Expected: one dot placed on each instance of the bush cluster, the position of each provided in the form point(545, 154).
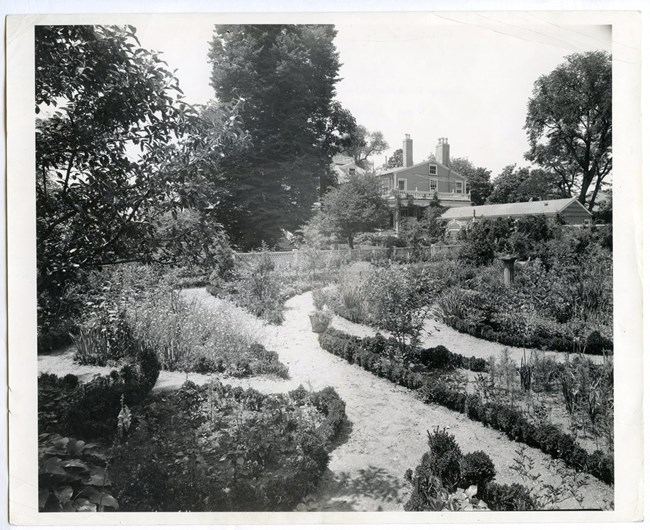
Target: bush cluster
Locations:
point(502, 417)
point(221, 448)
point(376, 352)
point(545, 436)
point(256, 360)
point(532, 339)
point(440, 357)
point(561, 298)
point(444, 466)
point(89, 410)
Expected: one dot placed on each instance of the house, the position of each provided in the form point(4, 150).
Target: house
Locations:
point(411, 188)
point(344, 167)
point(570, 210)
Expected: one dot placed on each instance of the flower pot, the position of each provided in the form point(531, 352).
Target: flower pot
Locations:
point(319, 323)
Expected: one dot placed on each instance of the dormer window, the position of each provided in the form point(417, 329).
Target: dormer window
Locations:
point(433, 169)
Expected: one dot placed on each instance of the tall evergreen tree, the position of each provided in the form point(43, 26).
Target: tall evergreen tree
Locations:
point(285, 75)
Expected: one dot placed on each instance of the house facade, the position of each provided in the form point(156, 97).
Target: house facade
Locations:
point(411, 188)
point(344, 167)
point(569, 210)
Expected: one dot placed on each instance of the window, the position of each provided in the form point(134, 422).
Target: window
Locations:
point(401, 184)
point(352, 171)
point(433, 185)
point(433, 169)
point(459, 187)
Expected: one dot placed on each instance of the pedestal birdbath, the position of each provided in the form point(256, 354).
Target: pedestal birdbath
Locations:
point(508, 261)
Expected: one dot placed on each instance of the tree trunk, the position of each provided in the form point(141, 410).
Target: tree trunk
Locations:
point(351, 241)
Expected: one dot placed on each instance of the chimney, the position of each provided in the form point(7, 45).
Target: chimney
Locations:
point(407, 151)
point(442, 152)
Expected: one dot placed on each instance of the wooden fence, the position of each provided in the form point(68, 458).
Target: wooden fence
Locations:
point(300, 259)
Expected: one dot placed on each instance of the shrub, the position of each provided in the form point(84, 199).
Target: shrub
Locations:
point(396, 301)
point(596, 344)
point(511, 497)
point(438, 392)
point(475, 409)
point(443, 459)
point(438, 357)
point(476, 469)
point(444, 466)
point(319, 297)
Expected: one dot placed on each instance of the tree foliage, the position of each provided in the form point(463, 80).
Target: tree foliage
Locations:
point(478, 179)
point(395, 160)
point(285, 74)
point(106, 116)
point(365, 144)
point(523, 184)
point(118, 157)
point(356, 206)
point(569, 124)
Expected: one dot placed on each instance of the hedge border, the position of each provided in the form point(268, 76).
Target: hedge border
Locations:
point(558, 343)
point(546, 437)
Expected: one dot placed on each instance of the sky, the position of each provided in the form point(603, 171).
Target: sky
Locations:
point(464, 77)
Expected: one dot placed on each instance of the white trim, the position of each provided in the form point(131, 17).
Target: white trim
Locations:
point(405, 183)
point(462, 185)
point(435, 168)
point(437, 185)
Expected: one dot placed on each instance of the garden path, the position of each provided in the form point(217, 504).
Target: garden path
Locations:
point(437, 333)
point(387, 424)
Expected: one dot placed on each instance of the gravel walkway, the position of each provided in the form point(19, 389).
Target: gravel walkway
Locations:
point(388, 424)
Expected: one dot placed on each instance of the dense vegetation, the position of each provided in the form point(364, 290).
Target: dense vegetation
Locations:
point(140, 194)
point(209, 448)
point(427, 370)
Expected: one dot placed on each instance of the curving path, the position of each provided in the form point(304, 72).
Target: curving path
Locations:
point(436, 333)
point(388, 424)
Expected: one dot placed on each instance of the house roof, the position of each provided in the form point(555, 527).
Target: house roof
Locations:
point(340, 159)
point(511, 209)
point(424, 167)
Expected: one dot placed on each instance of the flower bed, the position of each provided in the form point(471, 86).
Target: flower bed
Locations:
point(129, 308)
point(370, 355)
point(89, 410)
point(222, 448)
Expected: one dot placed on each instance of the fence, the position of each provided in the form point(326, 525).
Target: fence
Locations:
point(301, 259)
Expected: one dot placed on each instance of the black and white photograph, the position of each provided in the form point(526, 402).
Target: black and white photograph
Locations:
point(359, 263)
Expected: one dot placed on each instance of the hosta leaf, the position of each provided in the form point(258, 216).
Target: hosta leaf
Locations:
point(471, 491)
point(43, 494)
point(97, 479)
point(74, 463)
point(68, 507)
point(84, 505)
point(53, 466)
point(92, 494)
point(75, 447)
point(109, 500)
point(64, 493)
